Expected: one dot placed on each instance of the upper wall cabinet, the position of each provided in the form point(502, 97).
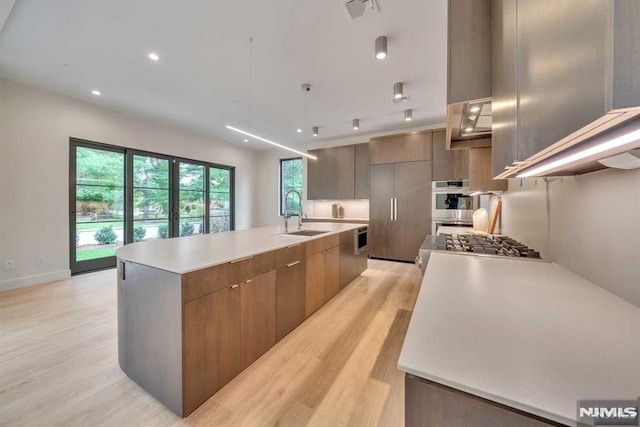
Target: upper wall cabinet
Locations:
point(448, 164)
point(562, 72)
point(339, 173)
point(469, 74)
point(469, 50)
point(410, 147)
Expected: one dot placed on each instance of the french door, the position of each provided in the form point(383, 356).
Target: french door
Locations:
point(120, 196)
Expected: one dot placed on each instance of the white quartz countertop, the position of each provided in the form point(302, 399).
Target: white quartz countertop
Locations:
point(185, 254)
point(530, 335)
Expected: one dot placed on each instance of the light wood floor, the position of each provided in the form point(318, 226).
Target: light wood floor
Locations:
point(59, 361)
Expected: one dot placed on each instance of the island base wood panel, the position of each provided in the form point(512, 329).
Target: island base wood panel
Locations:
point(428, 404)
point(290, 297)
point(258, 316)
point(212, 343)
point(183, 337)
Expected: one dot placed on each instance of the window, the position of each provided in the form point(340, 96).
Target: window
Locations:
point(290, 179)
point(120, 195)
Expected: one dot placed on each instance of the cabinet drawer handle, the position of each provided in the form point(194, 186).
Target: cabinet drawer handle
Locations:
point(241, 259)
point(234, 286)
point(293, 246)
point(292, 264)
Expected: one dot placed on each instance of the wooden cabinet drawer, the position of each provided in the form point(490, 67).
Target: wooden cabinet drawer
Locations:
point(203, 282)
point(249, 267)
point(290, 254)
point(317, 245)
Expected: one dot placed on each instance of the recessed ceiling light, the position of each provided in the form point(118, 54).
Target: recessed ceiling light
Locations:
point(96, 92)
point(246, 140)
point(299, 130)
point(154, 56)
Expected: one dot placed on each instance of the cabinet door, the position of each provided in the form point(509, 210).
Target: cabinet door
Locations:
point(211, 335)
point(504, 85)
point(362, 178)
point(258, 316)
point(412, 186)
point(315, 283)
point(314, 175)
point(448, 164)
point(331, 272)
point(401, 148)
point(290, 297)
point(346, 172)
point(329, 166)
point(559, 96)
point(381, 225)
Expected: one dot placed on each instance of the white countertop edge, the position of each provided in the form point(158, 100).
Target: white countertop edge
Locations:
point(277, 240)
point(492, 397)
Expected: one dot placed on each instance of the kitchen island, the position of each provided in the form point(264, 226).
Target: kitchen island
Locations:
point(496, 341)
point(193, 312)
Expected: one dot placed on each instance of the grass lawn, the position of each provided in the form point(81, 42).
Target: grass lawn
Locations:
point(80, 226)
point(83, 255)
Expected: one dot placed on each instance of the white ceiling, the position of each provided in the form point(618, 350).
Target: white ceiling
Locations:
point(202, 79)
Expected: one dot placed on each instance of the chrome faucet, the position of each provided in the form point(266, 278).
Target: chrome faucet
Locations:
point(286, 210)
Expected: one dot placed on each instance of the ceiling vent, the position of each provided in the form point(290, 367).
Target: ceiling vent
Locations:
point(359, 8)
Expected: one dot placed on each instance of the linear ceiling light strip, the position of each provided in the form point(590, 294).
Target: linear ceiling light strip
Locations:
point(284, 147)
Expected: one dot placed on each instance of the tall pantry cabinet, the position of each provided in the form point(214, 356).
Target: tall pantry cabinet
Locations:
point(400, 203)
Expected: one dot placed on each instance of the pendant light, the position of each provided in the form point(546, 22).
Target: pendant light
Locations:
point(397, 90)
point(356, 124)
point(408, 115)
point(381, 47)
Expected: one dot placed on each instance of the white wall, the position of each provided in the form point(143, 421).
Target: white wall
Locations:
point(35, 126)
point(592, 229)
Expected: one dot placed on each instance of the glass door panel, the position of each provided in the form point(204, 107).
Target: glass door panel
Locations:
point(98, 194)
point(150, 198)
point(191, 199)
point(219, 200)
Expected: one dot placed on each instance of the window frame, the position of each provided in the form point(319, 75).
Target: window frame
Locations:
point(280, 182)
point(87, 266)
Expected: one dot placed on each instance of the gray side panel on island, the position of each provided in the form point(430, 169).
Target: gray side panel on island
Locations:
point(150, 331)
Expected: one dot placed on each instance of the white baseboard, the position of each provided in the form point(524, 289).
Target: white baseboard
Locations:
point(22, 282)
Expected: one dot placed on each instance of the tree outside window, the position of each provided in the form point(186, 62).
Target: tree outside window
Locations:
point(290, 179)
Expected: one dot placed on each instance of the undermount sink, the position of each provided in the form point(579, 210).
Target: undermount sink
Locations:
point(306, 233)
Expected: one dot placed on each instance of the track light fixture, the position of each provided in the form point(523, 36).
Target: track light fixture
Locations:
point(397, 90)
point(381, 47)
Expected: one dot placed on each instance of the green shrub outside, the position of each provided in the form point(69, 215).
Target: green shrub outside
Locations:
point(186, 229)
point(138, 233)
point(163, 231)
point(106, 236)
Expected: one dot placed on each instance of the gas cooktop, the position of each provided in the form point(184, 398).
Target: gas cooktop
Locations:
point(487, 245)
